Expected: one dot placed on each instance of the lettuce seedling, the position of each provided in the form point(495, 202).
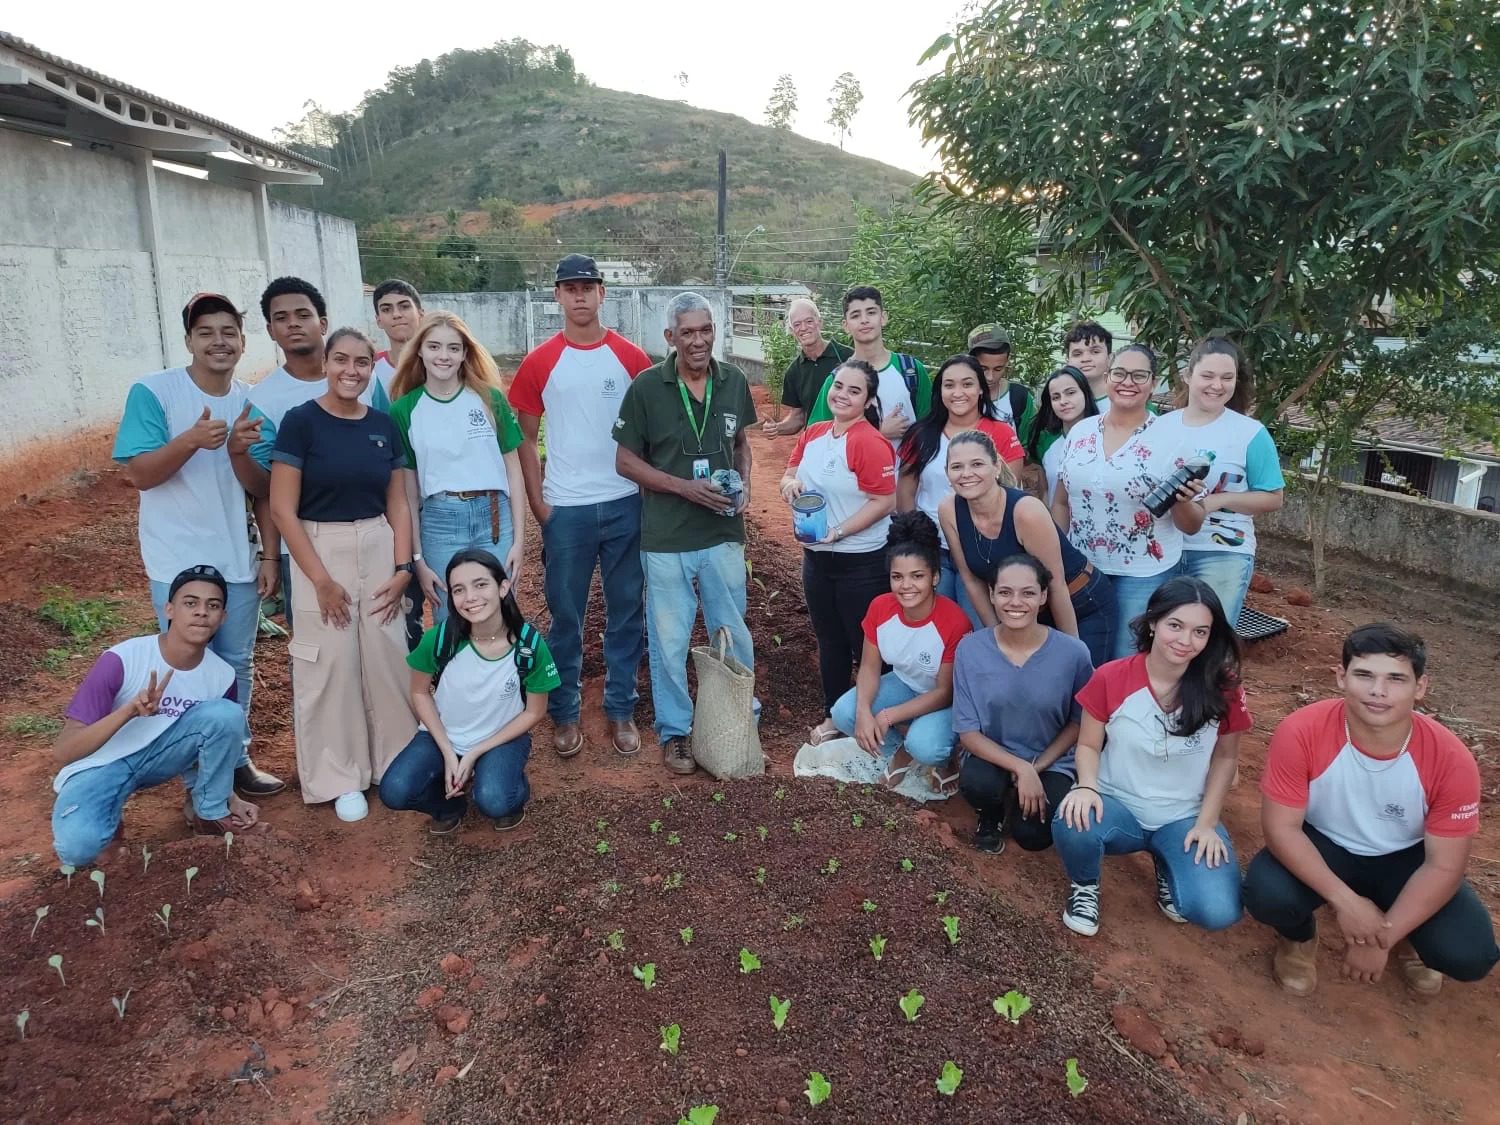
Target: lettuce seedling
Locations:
point(97, 877)
point(843, 785)
point(119, 1002)
point(794, 922)
point(818, 1088)
point(672, 882)
point(867, 789)
point(55, 962)
point(779, 793)
point(601, 824)
point(666, 802)
point(908, 866)
point(671, 1039)
point(616, 940)
point(1077, 1083)
point(731, 837)
point(188, 875)
point(612, 886)
point(686, 934)
point(950, 927)
point(911, 1004)
point(700, 1115)
point(759, 878)
point(797, 827)
point(67, 870)
point(762, 831)
point(868, 907)
point(164, 916)
point(1013, 1005)
point(23, 1017)
point(602, 848)
point(940, 897)
point(856, 820)
point(948, 1081)
point(889, 824)
point(646, 974)
point(228, 843)
point(41, 912)
point(779, 1009)
point(97, 921)
point(145, 859)
point(749, 962)
point(655, 827)
point(831, 866)
point(719, 797)
point(877, 946)
point(673, 839)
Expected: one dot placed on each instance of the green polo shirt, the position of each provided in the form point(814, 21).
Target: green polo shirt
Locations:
point(804, 377)
point(654, 426)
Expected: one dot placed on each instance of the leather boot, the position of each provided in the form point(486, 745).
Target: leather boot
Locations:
point(1295, 965)
point(1419, 978)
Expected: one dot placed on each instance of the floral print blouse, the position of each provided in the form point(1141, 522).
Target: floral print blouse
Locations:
point(1106, 500)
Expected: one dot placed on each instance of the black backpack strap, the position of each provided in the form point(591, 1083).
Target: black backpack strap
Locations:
point(908, 368)
point(441, 651)
point(526, 654)
point(1017, 403)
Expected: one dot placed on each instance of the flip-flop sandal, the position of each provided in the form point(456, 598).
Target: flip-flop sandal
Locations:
point(947, 786)
point(891, 778)
point(816, 737)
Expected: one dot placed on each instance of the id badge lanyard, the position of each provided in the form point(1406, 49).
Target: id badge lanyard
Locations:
point(687, 405)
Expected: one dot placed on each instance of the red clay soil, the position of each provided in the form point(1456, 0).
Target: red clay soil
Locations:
point(310, 905)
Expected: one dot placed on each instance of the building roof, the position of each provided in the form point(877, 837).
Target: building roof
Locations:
point(1417, 435)
point(44, 93)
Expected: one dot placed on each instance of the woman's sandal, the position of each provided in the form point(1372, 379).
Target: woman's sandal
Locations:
point(947, 786)
point(891, 778)
point(818, 735)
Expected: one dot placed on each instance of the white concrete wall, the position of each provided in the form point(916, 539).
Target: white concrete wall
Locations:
point(79, 315)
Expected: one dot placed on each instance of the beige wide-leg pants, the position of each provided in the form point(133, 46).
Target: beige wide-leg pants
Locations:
point(353, 711)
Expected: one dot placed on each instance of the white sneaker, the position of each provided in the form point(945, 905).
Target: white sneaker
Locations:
point(351, 807)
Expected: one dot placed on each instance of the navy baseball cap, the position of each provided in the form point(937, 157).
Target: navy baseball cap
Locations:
point(578, 267)
point(200, 573)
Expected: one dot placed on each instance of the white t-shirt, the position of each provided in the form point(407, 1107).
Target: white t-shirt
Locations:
point(915, 650)
point(893, 395)
point(846, 471)
point(452, 444)
point(1108, 520)
point(198, 514)
point(1051, 466)
point(124, 671)
point(1245, 460)
point(477, 696)
point(579, 390)
point(384, 374)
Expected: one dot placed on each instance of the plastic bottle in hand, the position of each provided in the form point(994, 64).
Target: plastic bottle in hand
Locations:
point(1160, 499)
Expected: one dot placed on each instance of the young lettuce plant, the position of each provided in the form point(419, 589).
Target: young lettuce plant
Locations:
point(1013, 1005)
point(908, 866)
point(188, 874)
point(731, 837)
point(856, 820)
point(749, 962)
point(948, 1081)
point(673, 839)
point(164, 916)
point(602, 847)
point(1077, 1083)
point(797, 827)
point(759, 878)
point(55, 963)
point(672, 882)
point(877, 946)
point(779, 793)
point(950, 927)
point(868, 907)
point(646, 974)
point(616, 940)
point(686, 934)
point(67, 870)
point(671, 1039)
point(119, 1002)
point(145, 859)
point(831, 867)
point(23, 1017)
point(97, 921)
point(779, 1010)
point(762, 831)
point(97, 878)
point(911, 1004)
point(700, 1115)
point(41, 912)
point(228, 844)
point(655, 827)
point(818, 1088)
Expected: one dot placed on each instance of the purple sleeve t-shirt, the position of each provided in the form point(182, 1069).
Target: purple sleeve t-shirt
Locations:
point(1022, 709)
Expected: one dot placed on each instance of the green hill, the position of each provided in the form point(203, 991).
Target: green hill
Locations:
point(499, 153)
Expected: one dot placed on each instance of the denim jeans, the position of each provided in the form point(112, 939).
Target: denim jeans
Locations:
point(449, 525)
point(1228, 572)
point(235, 640)
point(1206, 896)
point(950, 585)
point(415, 779)
point(574, 540)
point(676, 583)
point(1131, 593)
point(1094, 610)
point(928, 738)
point(202, 748)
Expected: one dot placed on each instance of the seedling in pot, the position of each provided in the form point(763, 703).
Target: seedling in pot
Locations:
point(616, 940)
point(671, 1039)
point(97, 921)
point(55, 962)
point(700, 1115)
point(97, 878)
point(145, 859)
point(948, 1081)
point(818, 1088)
point(67, 870)
point(779, 1009)
point(868, 907)
point(1013, 1005)
point(686, 934)
point(119, 1002)
point(759, 879)
point(1077, 1083)
point(164, 916)
point(877, 946)
point(188, 875)
point(749, 962)
point(646, 974)
point(950, 927)
point(602, 848)
point(911, 1004)
point(23, 1017)
point(831, 866)
point(41, 912)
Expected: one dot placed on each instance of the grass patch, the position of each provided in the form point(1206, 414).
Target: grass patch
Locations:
point(33, 726)
point(82, 619)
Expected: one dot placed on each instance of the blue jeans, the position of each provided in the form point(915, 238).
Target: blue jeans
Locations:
point(676, 582)
point(1205, 896)
point(928, 739)
point(951, 586)
point(449, 525)
point(1228, 572)
point(202, 748)
point(415, 779)
point(235, 640)
point(1131, 593)
point(1094, 609)
point(573, 541)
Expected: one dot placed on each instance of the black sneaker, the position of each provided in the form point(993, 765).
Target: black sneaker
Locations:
point(1164, 895)
point(252, 782)
point(989, 836)
point(1081, 915)
point(506, 823)
point(677, 754)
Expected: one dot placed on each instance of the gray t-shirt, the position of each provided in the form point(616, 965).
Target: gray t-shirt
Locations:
point(1020, 708)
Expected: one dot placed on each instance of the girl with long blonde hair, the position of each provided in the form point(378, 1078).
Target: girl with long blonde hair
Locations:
point(460, 436)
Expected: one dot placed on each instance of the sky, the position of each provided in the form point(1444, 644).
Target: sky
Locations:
point(255, 71)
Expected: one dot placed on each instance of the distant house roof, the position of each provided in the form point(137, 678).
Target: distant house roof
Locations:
point(796, 289)
point(1428, 435)
point(43, 93)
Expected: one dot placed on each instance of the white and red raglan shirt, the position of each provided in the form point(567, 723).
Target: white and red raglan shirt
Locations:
point(578, 389)
point(846, 471)
point(1159, 776)
point(915, 650)
point(1367, 805)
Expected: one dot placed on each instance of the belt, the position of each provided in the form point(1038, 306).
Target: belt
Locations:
point(493, 495)
point(1081, 579)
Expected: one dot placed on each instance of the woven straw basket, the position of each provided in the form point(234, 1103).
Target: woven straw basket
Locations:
point(726, 742)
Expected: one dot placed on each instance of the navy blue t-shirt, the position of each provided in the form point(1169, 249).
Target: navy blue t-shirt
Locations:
point(346, 463)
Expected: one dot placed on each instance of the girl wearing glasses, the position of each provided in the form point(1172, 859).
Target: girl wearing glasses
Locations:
point(1245, 481)
point(1157, 745)
point(1109, 466)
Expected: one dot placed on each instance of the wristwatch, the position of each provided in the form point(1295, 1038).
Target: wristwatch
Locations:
point(406, 566)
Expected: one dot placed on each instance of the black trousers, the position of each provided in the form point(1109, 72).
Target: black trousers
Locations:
point(992, 792)
point(839, 587)
point(1458, 941)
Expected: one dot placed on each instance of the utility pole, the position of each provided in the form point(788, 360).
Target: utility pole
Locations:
point(721, 239)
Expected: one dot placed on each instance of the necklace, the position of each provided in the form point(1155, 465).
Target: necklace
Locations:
point(982, 543)
point(1359, 755)
point(490, 639)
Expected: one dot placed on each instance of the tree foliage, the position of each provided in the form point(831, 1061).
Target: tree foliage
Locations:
point(783, 104)
point(843, 103)
point(943, 274)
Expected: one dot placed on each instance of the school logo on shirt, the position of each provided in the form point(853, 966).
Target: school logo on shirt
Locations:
point(511, 686)
point(377, 440)
point(609, 386)
point(925, 658)
point(476, 416)
point(731, 424)
point(1392, 811)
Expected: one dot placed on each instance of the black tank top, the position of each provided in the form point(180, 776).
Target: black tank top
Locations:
point(984, 555)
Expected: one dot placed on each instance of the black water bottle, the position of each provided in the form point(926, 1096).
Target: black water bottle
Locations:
point(1160, 499)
